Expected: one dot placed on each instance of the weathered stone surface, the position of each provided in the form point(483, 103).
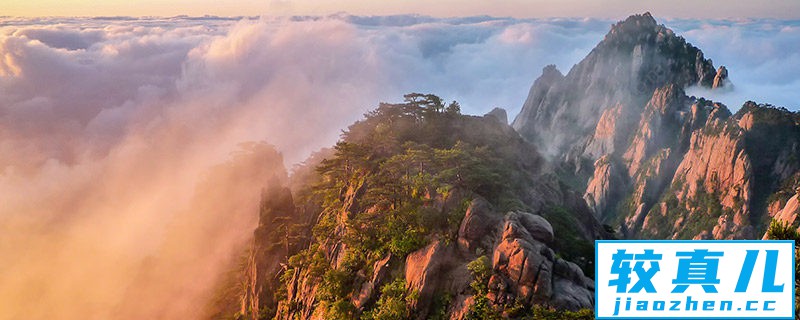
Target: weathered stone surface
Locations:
point(423, 272)
point(721, 79)
point(605, 137)
point(527, 269)
point(301, 298)
point(606, 186)
point(570, 295)
point(539, 228)
point(746, 121)
point(657, 126)
point(479, 221)
point(789, 212)
point(265, 259)
point(369, 288)
point(719, 162)
point(436, 268)
point(461, 305)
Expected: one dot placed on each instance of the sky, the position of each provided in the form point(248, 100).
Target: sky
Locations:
point(783, 9)
point(113, 130)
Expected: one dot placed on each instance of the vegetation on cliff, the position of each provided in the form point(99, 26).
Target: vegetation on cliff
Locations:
point(397, 179)
point(336, 240)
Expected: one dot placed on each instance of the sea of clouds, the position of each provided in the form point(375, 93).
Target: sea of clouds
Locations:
point(107, 125)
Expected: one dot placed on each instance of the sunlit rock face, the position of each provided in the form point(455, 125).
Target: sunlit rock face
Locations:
point(652, 161)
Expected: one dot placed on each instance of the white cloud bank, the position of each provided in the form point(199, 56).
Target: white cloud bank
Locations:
point(106, 126)
point(762, 57)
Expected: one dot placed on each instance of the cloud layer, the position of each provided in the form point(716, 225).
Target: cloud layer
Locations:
point(110, 128)
point(762, 57)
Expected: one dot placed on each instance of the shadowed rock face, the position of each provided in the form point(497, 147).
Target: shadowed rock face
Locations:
point(721, 79)
point(271, 248)
point(653, 162)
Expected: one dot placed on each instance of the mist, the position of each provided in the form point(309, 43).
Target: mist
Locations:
point(133, 151)
point(761, 55)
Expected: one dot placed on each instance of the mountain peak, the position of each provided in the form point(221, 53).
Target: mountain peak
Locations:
point(656, 55)
point(645, 19)
point(617, 78)
point(634, 28)
point(620, 126)
point(639, 29)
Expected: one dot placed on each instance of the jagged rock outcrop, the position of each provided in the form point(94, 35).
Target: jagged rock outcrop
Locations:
point(500, 114)
point(606, 187)
point(658, 127)
point(461, 306)
point(528, 270)
point(525, 268)
point(369, 288)
point(605, 137)
point(550, 192)
point(435, 268)
point(302, 286)
point(788, 213)
point(476, 227)
point(271, 248)
point(717, 163)
point(721, 79)
point(652, 161)
point(636, 57)
point(301, 297)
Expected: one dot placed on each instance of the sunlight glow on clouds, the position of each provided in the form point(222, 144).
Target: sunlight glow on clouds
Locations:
point(107, 126)
point(614, 9)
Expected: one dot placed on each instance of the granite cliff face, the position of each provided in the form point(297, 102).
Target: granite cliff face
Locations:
point(652, 161)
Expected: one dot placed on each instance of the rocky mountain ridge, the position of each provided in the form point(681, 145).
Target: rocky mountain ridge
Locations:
point(421, 212)
point(519, 246)
point(654, 162)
